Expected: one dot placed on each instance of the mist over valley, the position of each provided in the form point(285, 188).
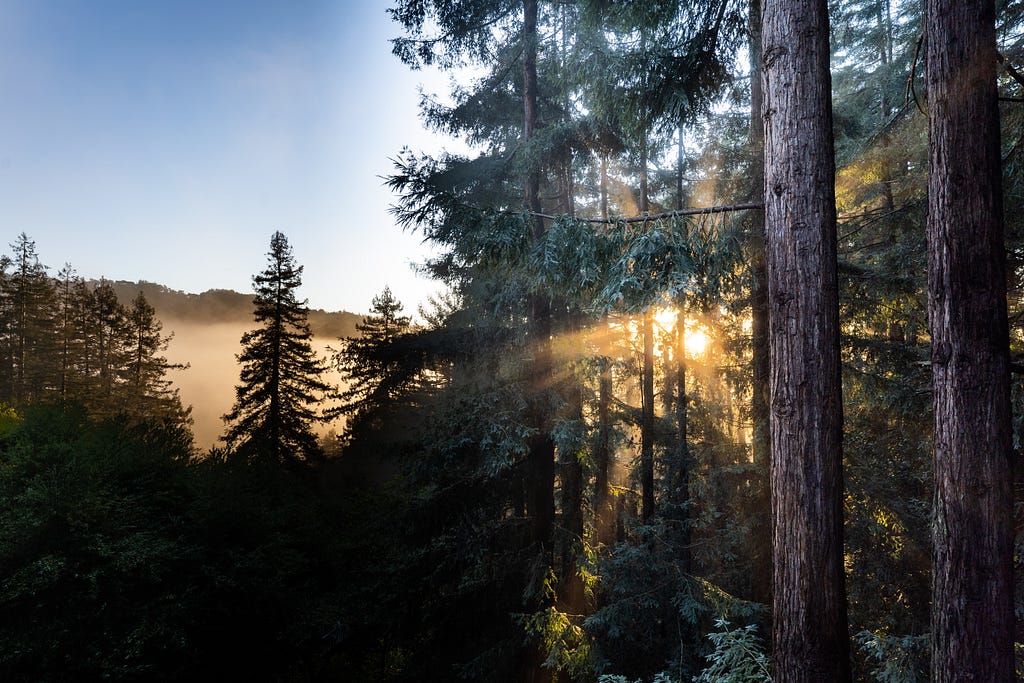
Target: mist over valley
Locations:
point(206, 331)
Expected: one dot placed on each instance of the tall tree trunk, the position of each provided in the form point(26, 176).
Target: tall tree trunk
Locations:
point(541, 470)
point(571, 591)
point(681, 485)
point(647, 422)
point(810, 640)
point(972, 590)
point(761, 578)
point(647, 382)
point(603, 511)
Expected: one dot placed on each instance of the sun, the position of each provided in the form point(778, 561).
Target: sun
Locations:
point(696, 341)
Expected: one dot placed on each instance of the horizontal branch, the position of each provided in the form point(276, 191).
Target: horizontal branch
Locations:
point(752, 206)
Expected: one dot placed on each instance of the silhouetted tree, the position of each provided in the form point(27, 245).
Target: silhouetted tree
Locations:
point(108, 352)
point(274, 411)
point(30, 297)
point(366, 361)
point(150, 393)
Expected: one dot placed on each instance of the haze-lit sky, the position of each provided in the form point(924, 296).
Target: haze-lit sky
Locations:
point(166, 140)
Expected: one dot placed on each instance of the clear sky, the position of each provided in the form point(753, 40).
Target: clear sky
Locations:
point(166, 140)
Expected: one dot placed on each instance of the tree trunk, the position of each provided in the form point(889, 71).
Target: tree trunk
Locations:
point(647, 382)
point(647, 422)
point(972, 590)
point(681, 485)
point(603, 511)
point(541, 469)
point(761, 575)
point(810, 640)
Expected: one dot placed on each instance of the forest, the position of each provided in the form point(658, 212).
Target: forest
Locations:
point(725, 384)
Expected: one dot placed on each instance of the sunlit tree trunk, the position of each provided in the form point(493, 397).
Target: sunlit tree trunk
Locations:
point(810, 640)
point(647, 381)
point(647, 421)
point(681, 484)
point(972, 589)
point(602, 449)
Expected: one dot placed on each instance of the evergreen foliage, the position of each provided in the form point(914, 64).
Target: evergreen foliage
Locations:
point(371, 372)
point(274, 410)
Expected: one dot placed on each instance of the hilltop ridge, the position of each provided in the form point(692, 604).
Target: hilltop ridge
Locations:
point(224, 306)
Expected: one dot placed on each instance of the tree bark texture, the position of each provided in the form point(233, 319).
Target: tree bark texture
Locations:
point(972, 592)
point(810, 640)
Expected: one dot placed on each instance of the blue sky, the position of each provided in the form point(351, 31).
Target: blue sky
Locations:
point(166, 140)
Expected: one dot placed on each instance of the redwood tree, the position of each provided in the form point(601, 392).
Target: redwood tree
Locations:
point(810, 638)
point(972, 592)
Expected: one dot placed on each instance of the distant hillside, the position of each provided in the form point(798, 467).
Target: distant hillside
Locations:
point(225, 306)
point(206, 330)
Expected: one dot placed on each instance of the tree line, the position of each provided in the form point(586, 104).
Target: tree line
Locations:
point(64, 340)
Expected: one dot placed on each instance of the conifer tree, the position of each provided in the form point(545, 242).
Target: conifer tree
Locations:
point(105, 378)
point(31, 296)
point(366, 367)
point(66, 288)
point(274, 410)
point(150, 392)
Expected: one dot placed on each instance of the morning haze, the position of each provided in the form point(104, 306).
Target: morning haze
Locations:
point(206, 330)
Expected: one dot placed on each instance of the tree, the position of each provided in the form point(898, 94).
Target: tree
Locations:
point(367, 366)
point(105, 378)
point(32, 327)
point(274, 412)
point(150, 393)
point(972, 590)
point(810, 641)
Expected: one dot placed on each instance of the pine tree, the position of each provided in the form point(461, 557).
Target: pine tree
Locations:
point(274, 410)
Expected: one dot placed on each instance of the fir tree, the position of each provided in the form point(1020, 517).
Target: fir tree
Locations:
point(274, 411)
point(366, 366)
point(31, 297)
point(105, 378)
point(150, 392)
